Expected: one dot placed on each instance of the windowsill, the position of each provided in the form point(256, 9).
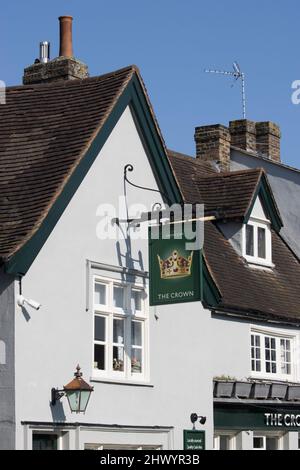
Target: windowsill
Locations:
point(133, 383)
point(259, 264)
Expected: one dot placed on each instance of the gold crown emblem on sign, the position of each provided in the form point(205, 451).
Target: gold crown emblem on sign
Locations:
point(175, 266)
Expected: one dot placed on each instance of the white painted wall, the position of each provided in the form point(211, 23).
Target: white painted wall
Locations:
point(53, 340)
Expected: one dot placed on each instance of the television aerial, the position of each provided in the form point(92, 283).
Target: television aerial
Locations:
point(237, 74)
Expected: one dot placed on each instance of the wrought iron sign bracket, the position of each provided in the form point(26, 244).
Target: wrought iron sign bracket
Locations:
point(129, 168)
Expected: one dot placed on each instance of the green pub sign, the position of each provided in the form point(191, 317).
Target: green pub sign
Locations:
point(175, 271)
point(194, 440)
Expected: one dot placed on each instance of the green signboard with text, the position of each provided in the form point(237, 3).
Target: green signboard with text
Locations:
point(194, 440)
point(175, 271)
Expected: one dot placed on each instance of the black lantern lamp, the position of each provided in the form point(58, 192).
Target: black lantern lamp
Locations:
point(78, 393)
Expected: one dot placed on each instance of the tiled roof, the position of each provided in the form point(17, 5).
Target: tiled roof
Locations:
point(45, 130)
point(226, 195)
point(264, 293)
point(268, 293)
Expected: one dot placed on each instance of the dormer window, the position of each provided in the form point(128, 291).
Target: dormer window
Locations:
point(257, 238)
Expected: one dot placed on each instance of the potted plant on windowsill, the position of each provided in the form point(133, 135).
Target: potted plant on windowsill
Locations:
point(136, 366)
point(224, 386)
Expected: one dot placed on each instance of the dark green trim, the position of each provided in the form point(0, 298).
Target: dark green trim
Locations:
point(133, 95)
point(252, 417)
point(211, 293)
point(264, 191)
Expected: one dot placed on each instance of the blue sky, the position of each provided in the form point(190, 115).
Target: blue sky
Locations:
point(172, 42)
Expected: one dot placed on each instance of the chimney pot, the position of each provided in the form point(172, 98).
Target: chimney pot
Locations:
point(65, 29)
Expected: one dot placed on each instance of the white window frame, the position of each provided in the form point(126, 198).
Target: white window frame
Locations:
point(278, 335)
point(265, 436)
point(127, 315)
point(232, 440)
point(255, 259)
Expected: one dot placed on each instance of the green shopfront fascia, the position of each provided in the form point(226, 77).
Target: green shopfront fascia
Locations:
point(264, 422)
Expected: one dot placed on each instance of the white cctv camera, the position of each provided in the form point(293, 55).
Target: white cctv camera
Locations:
point(32, 303)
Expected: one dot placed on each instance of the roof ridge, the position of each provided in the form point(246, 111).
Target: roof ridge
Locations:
point(229, 174)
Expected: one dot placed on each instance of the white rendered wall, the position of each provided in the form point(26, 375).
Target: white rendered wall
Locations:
point(53, 340)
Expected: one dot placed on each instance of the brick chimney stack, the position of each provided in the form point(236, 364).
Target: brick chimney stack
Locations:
point(213, 143)
point(268, 137)
point(259, 138)
point(64, 67)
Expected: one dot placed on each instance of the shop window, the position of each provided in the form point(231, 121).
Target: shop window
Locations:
point(120, 330)
point(265, 443)
point(44, 441)
point(271, 355)
point(224, 442)
point(121, 447)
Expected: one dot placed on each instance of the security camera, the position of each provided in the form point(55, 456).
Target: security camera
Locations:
point(22, 301)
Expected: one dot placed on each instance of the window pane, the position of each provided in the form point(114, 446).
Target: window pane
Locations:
point(99, 328)
point(136, 300)
point(100, 294)
point(258, 443)
point(270, 355)
point(249, 240)
point(136, 361)
point(255, 353)
point(271, 443)
point(99, 356)
point(118, 297)
point(224, 442)
point(136, 333)
point(44, 441)
point(285, 356)
point(118, 358)
point(261, 234)
point(118, 331)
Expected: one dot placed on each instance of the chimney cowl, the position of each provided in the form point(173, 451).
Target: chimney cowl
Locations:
point(44, 52)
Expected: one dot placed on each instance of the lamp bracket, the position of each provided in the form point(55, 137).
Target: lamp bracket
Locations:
point(56, 395)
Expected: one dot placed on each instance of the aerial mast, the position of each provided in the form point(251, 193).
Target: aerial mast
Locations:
point(237, 74)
